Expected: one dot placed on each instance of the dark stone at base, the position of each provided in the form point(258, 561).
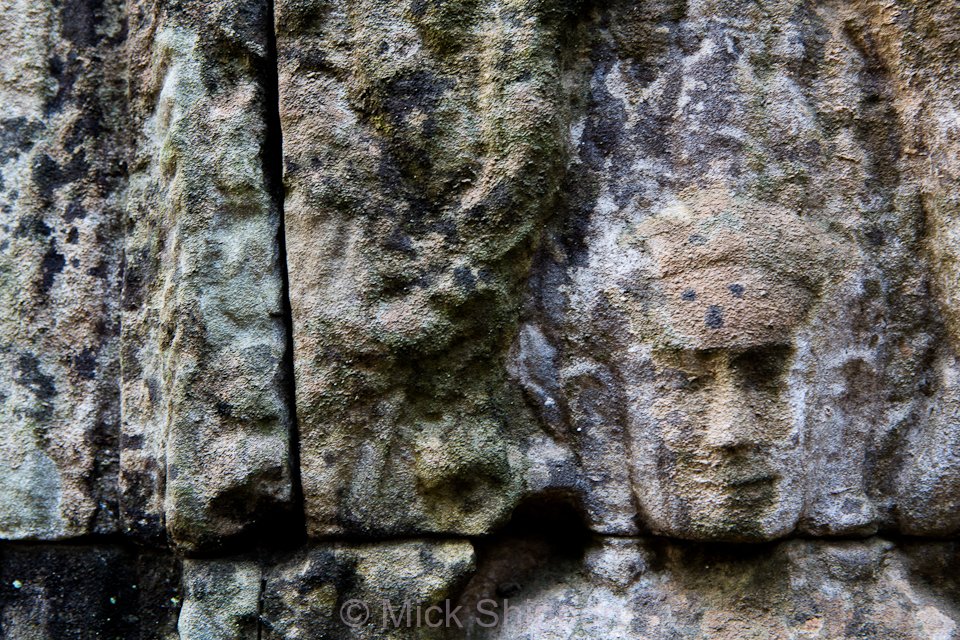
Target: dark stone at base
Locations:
point(87, 593)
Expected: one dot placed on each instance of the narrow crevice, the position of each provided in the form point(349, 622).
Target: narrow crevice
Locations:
point(273, 169)
point(263, 591)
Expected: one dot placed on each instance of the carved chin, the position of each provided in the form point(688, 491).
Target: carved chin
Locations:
point(729, 506)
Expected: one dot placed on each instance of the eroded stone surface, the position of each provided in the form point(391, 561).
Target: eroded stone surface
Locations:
point(339, 591)
point(324, 591)
point(674, 268)
point(916, 48)
point(730, 331)
point(736, 291)
point(206, 424)
point(792, 590)
point(546, 585)
point(423, 146)
point(61, 170)
point(221, 600)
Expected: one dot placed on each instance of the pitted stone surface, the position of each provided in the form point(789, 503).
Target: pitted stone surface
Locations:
point(741, 264)
point(206, 422)
point(423, 146)
point(789, 591)
point(61, 178)
point(640, 315)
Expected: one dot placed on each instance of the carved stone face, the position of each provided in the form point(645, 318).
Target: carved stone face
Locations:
point(733, 280)
point(727, 443)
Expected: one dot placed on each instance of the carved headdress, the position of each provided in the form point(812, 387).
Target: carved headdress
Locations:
point(735, 273)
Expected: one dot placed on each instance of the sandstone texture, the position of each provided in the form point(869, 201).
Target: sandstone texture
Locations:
point(206, 425)
point(479, 318)
point(61, 183)
point(741, 270)
point(423, 147)
point(635, 588)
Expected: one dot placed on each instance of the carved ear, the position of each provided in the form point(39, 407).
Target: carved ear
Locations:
point(532, 362)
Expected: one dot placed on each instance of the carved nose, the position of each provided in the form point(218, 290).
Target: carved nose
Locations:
point(731, 434)
point(732, 425)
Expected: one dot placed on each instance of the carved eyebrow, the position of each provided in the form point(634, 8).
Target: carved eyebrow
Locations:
point(764, 357)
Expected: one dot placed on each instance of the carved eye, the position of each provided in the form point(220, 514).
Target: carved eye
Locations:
point(687, 368)
point(763, 367)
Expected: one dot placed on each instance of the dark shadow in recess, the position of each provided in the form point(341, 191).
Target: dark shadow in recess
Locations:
point(294, 522)
point(547, 534)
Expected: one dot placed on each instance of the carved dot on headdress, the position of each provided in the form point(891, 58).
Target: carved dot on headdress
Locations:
point(714, 317)
point(737, 290)
point(689, 295)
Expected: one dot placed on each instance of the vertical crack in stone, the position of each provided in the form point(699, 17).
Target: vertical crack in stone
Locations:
point(273, 169)
point(206, 332)
point(263, 590)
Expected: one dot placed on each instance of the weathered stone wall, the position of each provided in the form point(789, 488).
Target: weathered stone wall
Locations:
point(206, 420)
point(635, 319)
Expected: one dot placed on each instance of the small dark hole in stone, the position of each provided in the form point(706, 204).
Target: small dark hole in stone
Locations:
point(556, 519)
